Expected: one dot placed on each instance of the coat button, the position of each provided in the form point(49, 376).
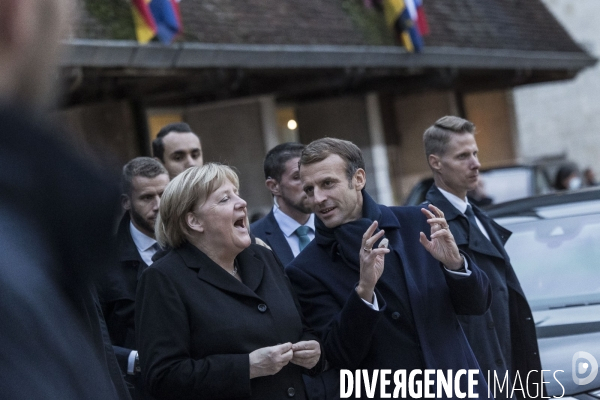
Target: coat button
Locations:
point(490, 325)
point(395, 315)
point(528, 319)
point(499, 362)
point(291, 392)
point(262, 307)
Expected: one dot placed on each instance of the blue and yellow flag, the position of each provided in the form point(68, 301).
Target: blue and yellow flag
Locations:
point(399, 18)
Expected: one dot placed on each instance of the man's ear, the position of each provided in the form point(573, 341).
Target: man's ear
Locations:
point(359, 179)
point(194, 222)
point(125, 202)
point(434, 162)
point(273, 186)
point(158, 159)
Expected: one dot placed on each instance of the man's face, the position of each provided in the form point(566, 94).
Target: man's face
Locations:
point(333, 199)
point(182, 151)
point(144, 200)
point(291, 193)
point(458, 168)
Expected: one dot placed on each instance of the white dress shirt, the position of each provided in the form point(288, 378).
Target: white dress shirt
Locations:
point(144, 243)
point(461, 205)
point(288, 226)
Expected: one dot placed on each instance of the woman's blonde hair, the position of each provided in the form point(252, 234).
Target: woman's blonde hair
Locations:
point(189, 189)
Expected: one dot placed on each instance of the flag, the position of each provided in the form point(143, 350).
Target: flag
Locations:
point(177, 14)
point(145, 26)
point(165, 13)
point(398, 17)
point(421, 18)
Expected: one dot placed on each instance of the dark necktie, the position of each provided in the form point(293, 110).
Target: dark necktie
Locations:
point(476, 236)
point(302, 233)
point(155, 247)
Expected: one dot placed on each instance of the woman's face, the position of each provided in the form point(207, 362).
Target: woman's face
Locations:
point(222, 221)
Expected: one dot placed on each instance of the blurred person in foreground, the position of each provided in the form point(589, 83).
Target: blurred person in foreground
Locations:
point(290, 226)
point(378, 305)
point(143, 182)
point(56, 217)
point(504, 338)
point(215, 317)
point(177, 148)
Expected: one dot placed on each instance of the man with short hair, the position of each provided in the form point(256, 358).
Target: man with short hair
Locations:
point(177, 148)
point(504, 338)
point(143, 182)
point(377, 297)
point(290, 225)
point(56, 218)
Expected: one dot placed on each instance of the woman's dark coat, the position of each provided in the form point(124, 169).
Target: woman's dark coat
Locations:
point(196, 325)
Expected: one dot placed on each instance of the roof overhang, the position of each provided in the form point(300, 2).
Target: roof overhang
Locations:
point(198, 72)
point(129, 54)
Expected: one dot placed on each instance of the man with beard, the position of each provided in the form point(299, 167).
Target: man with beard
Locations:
point(290, 225)
point(143, 182)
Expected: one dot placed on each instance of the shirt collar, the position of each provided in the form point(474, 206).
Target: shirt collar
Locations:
point(142, 241)
point(287, 224)
point(460, 204)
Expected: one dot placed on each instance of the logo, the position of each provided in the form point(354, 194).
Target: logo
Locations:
point(584, 363)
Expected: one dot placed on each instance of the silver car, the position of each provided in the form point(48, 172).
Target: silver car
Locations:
point(555, 251)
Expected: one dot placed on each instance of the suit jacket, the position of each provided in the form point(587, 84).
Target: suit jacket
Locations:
point(117, 293)
point(199, 325)
point(504, 338)
point(269, 231)
point(355, 336)
point(56, 217)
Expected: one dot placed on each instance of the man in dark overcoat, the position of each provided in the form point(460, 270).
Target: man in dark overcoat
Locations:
point(143, 182)
point(380, 293)
point(504, 338)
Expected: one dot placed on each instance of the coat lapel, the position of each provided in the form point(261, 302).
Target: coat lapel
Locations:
point(459, 225)
point(128, 252)
point(391, 225)
point(214, 275)
point(498, 234)
point(277, 241)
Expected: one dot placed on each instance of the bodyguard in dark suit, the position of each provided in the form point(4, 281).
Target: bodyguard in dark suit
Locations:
point(215, 317)
point(143, 181)
point(290, 225)
point(504, 338)
point(374, 307)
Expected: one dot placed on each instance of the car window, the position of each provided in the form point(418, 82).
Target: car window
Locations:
point(507, 184)
point(557, 260)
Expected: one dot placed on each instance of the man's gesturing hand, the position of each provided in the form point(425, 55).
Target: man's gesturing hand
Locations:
point(306, 353)
point(270, 360)
point(371, 262)
point(442, 245)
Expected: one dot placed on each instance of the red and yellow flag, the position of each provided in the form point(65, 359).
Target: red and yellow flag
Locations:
point(145, 26)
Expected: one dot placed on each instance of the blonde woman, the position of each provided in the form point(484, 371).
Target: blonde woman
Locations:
point(215, 317)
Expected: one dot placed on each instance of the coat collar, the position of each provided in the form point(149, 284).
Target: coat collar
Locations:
point(127, 249)
point(498, 234)
point(277, 240)
point(251, 270)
